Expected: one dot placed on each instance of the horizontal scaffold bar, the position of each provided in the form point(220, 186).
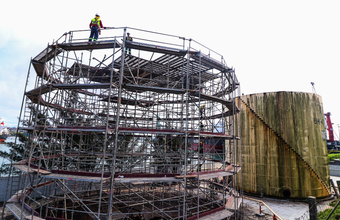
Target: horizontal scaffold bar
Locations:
point(120, 177)
point(129, 130)
point(208, 61)
point(153, 89)
point(196, 93)
point(155, 48)
point(112, 43)
point(82, 86)
point(89, 46)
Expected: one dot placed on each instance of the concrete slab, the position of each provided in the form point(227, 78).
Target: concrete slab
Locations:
point(287, 210)
point(223, 214)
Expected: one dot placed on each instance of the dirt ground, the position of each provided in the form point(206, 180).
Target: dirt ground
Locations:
point(285, 209)
point(248, 211)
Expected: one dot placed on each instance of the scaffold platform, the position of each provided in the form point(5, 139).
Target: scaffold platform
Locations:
point(128, 129)
point(21, 212)
point(105, 44)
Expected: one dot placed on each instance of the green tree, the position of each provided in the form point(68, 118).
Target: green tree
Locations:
point(16, 153)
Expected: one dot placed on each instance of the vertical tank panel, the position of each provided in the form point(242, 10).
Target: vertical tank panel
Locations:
point(283, 150)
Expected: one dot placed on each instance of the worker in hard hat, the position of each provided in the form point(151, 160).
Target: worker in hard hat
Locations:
point(201, 147)
point(158, 125)
point(202, 126)
point(95, 26)
point(129, 39)
point(202, 110)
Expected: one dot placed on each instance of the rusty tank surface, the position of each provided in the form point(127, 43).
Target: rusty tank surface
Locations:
point(284, 151)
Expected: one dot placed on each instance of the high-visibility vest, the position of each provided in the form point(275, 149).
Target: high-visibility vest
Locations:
point(129, 38)
point(95, 22)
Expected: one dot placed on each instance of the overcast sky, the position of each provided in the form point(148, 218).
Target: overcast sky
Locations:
point(273, 45)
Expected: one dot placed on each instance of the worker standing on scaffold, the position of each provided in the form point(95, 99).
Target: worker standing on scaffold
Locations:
point(202, 110)
point(201, 147)
point(129, 39)
point(202, 126)
point(95, 26)
point(158, 125)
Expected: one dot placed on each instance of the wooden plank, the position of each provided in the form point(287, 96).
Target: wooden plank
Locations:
point(17, 210)
point(26, 169)
point(146, 179)
point(214, 175)
point(41, 171)
point(34, 218)
point(23, 168)
point(21, 162)
point(233, 168)
point(187, 176)
point(74, 177)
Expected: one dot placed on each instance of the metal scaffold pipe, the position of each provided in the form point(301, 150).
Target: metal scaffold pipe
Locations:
point(118, 131)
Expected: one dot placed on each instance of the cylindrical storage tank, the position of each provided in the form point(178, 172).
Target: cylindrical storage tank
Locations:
point(284, 152)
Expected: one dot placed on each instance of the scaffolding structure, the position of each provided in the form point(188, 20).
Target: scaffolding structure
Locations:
point(112, 135)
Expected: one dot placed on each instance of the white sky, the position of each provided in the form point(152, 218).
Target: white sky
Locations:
point(273, 45)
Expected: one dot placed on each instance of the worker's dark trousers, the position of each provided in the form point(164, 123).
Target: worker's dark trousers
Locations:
point(94, 34)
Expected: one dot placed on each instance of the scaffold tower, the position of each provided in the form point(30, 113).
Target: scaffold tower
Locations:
point(114, 135)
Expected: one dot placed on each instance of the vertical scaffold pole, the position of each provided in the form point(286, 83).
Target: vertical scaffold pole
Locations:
point(106, 136)
point(186, 134)
point(117, 125)
point(199, 137)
